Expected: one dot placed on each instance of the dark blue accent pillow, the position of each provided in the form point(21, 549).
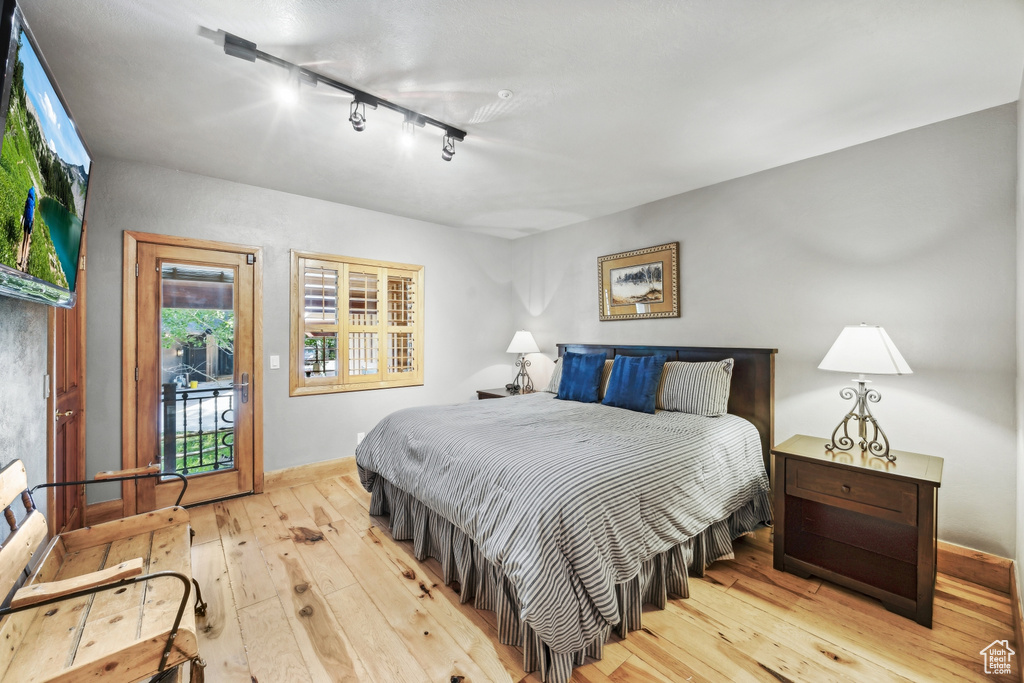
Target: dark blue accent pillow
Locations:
point(633, 384)
point(581, 376)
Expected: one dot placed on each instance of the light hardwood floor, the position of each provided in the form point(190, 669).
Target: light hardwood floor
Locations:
point(302, 586)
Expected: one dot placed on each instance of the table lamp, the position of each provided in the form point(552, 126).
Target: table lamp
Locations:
point(522, 343)
point(865, 350)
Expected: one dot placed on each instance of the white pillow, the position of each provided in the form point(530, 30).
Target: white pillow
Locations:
point(696, 388)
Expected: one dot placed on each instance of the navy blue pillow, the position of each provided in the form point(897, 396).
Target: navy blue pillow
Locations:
point(581, 376)
point(633, 384)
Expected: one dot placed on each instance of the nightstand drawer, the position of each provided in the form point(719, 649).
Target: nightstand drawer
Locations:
point(872, 495)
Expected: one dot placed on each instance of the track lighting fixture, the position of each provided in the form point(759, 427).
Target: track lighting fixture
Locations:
point(357, 116)
point(448, 148)
point(409, 128)
point(288, 89)
point(247, 50)
point(412, 120)
point(239, 47)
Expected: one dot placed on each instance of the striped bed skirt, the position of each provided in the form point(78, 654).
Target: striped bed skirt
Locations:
point(661, 577)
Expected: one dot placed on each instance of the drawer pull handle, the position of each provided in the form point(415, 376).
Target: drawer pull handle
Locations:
point(845, 489)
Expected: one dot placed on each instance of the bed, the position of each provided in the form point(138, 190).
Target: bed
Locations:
point(565, 518)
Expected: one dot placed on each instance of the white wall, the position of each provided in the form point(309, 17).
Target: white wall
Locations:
point(914, 232)
point(468, 288)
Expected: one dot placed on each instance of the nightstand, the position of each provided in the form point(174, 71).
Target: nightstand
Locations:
point(501, 392)
point(859, 521)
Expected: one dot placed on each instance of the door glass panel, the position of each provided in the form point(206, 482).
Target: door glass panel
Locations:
point(197, 339)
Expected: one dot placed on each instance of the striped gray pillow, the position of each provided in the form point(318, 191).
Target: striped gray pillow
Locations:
point(696, 388)
point(606, 376)
point(556, 378)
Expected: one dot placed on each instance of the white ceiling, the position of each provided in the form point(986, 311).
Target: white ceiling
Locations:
point(616, 103)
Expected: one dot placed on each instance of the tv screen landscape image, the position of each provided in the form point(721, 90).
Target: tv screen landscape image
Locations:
point(44, 178)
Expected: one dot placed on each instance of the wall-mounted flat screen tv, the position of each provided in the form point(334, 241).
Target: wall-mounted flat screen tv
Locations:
point(44, 174)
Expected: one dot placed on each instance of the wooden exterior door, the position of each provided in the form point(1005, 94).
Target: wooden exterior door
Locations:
point(195, 363)
point(67, 503)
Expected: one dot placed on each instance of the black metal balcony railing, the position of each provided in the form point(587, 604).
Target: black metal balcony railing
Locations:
point(199, 429)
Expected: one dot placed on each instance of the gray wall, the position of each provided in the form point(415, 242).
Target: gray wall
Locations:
point(23, 388)
point(914, 232)
point(468, 283)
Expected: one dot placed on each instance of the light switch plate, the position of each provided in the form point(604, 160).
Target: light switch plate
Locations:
point(275, 362)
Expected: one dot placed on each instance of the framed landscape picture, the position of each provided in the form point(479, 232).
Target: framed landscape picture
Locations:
point(643, 283)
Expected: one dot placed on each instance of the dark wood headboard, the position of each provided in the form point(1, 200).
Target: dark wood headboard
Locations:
point(752, 395)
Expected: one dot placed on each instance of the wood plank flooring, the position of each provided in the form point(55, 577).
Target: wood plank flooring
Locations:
point(304, 586)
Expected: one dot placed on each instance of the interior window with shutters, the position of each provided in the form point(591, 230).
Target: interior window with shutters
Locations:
point(372, 340)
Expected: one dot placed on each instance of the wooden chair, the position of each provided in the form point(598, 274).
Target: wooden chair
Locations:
point(107, 601)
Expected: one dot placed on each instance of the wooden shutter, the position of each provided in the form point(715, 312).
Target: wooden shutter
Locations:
point(357, 324)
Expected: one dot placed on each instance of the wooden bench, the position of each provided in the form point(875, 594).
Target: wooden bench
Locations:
point(107, 601)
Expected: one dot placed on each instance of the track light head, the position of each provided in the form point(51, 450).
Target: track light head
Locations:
point(288, 89)
point(448, 148)
point(357, 116)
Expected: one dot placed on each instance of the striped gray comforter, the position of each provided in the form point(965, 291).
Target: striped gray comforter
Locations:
point(567, 498)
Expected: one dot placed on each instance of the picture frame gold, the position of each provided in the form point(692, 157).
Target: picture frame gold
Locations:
point(643, 283)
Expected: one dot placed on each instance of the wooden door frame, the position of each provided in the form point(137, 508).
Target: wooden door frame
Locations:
point(51, 424)
point(51, 387)
point(129, 352)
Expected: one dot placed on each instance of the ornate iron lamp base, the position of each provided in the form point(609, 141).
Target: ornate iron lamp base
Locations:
point(861, 413)
point(522, 384)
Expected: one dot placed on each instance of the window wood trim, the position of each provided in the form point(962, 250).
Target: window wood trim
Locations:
point(298, 384)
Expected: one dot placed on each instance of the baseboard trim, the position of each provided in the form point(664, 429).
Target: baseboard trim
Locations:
point(307, 474)
point(972, 565)
point(104, 511)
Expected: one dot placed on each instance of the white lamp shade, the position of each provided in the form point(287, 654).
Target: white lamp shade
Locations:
point(865, 349)
point(522, 342)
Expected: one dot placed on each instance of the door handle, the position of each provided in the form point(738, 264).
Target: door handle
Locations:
point(244, 386)
point(58, 415)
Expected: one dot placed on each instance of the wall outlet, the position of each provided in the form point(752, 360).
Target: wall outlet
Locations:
point(359, 437)
point(275, 362)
